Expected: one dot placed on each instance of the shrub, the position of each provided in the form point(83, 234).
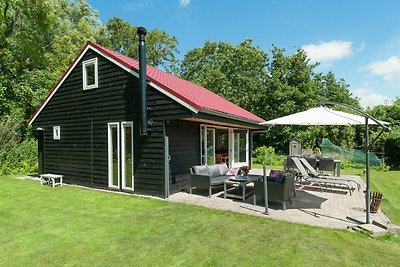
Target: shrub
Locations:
point(266, 155)
point(17, 156)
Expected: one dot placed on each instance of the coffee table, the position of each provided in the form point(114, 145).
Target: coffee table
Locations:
point(239, 181)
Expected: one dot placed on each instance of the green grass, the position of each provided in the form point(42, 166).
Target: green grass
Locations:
point(73, 226)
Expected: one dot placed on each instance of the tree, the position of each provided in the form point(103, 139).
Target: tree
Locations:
point(389, 142)
point(121, 36)
point(270, 88)
point(236, 72)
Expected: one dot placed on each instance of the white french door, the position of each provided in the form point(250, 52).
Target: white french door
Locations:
point(239, 147)
point(120, 155)
point(237, 151)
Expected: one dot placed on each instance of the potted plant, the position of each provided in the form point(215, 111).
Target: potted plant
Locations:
point(245, 170)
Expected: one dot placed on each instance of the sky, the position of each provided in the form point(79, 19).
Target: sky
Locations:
point(358, 40)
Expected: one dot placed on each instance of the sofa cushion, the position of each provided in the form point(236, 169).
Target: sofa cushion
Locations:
point(213, 171)
point(223, 168)
point(233, 171)
point(219, 180)
point(201, 170)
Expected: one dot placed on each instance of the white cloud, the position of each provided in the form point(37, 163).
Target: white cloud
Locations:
point(389, 69)
point(327, 52)
point(368, 98)
point(184, 3)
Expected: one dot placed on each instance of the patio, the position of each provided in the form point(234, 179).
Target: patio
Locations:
point(310, 206)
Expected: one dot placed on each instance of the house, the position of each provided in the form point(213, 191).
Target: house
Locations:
point(89, 126)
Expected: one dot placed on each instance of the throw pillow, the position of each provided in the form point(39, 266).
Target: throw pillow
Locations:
point(232, 171)
point(274, 173)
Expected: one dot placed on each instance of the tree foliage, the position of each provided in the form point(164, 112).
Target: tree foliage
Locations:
point(270, 86)
point(121, 36)
point(389, 143)
point(40, 38)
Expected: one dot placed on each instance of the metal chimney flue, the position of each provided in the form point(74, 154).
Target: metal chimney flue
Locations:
point(142, 80)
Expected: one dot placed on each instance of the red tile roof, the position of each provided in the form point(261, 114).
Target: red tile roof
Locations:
point(191, 93)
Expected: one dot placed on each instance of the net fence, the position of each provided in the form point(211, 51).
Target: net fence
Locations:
point(352, 155)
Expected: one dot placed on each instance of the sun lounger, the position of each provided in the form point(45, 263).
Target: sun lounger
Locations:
point(326, 181)
point(312, 172)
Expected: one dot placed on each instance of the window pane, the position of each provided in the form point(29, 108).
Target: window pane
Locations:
point(90, 74)
point(115, 155)
point(128, 156)
point(239, 146)
point(202, 128)
point(210, 147)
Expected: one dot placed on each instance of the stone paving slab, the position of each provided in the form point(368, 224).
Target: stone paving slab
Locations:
point(328, 208)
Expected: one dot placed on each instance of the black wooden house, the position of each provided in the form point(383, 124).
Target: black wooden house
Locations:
point(89, 126)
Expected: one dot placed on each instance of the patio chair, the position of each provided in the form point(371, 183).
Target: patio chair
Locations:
point(312, 172)
point(278, 190)
point(326, 181)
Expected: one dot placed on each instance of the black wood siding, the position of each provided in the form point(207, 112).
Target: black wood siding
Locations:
point(184, 150)
point(81, 154)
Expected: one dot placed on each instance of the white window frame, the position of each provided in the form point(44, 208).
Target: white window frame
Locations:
point(56, 132)
point(124, 125)
point(110, 154)
point(85, 63)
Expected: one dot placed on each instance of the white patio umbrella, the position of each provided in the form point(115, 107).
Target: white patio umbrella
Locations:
point(320, 116)
point(326, 116)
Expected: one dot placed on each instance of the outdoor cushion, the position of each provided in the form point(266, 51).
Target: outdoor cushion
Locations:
point(232, 171)
point(274, 173)
point(213, 171)
point(201, 170)
point(223, 168)
point(219, 180)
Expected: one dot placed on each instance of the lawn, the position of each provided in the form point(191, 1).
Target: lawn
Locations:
point(74, 226)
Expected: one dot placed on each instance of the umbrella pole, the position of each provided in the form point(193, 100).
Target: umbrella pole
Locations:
point(265, 190)
point(368, 190)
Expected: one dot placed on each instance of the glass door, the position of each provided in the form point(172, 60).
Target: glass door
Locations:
point(113, 155)
point(240, 145)
point(120, 155)
point(210, 137)
point(127, 155)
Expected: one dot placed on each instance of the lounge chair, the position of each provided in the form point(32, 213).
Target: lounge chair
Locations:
point(326, 181)
point(312, 172)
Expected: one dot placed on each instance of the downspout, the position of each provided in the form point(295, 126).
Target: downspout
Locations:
point(142, 80)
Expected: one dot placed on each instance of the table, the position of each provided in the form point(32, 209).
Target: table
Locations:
point(239, 181)
point(51, 179)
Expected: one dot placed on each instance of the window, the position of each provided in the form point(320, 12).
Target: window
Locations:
point(56, 133)
point(90, 74)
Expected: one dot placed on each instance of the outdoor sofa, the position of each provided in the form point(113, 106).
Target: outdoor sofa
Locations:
point(279, 190)
point(208, 176)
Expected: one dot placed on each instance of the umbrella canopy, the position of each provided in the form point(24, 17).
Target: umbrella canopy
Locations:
point(320, 116)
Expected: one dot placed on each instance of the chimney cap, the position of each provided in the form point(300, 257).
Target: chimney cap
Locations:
point(141, 31)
